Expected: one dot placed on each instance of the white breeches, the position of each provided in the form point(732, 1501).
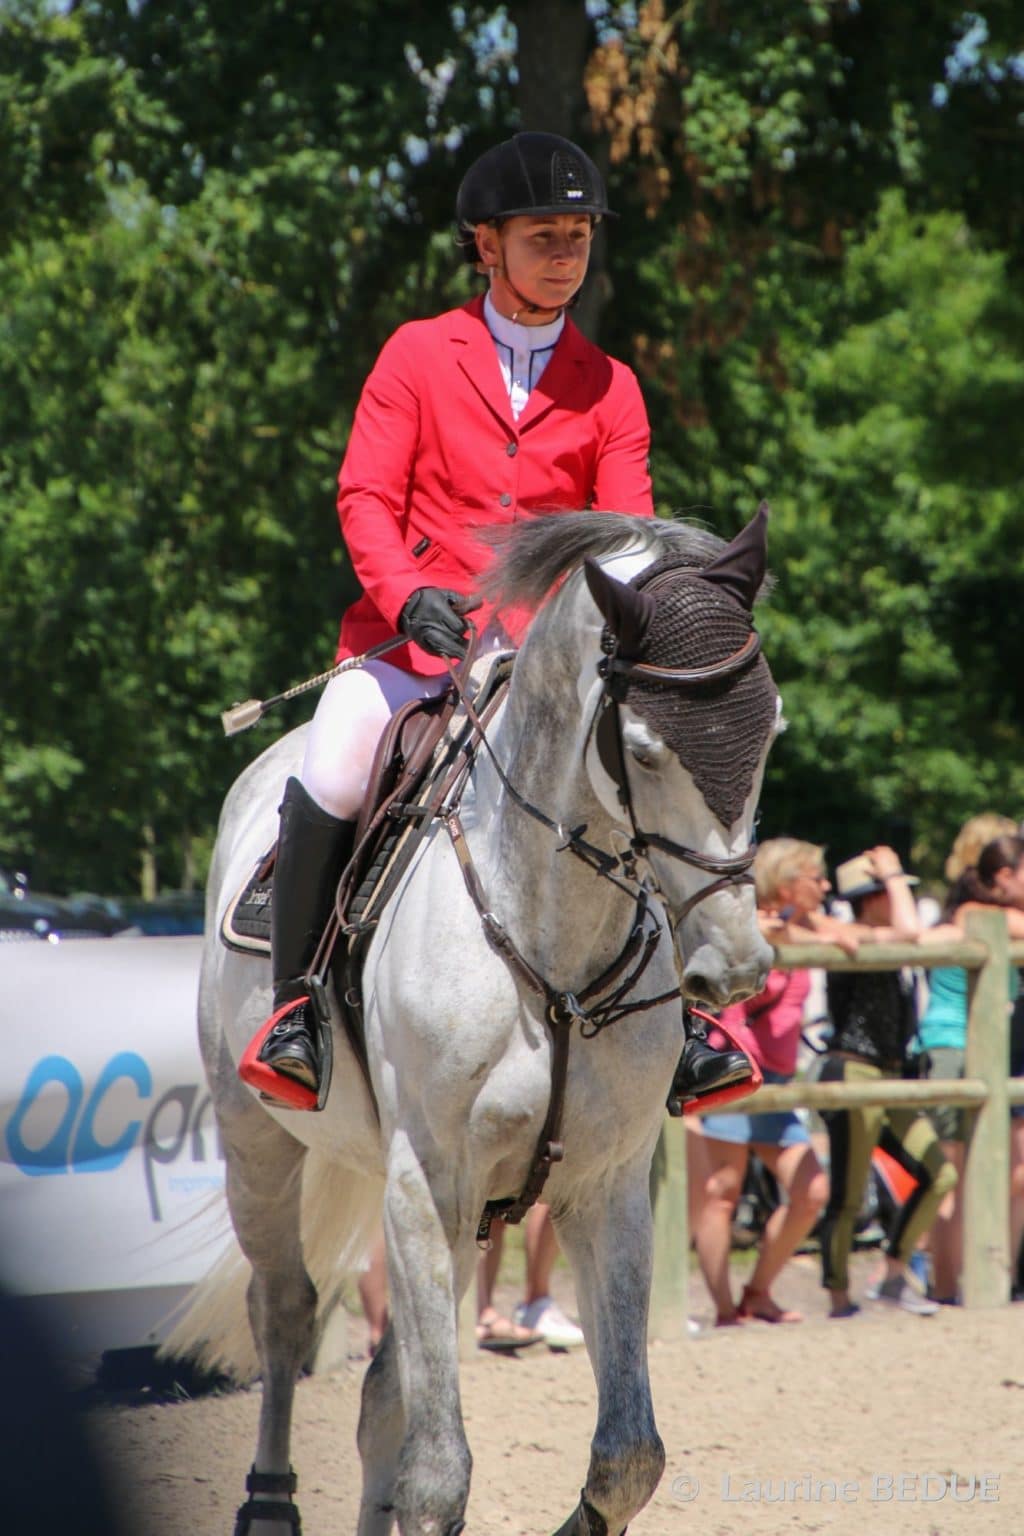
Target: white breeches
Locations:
point(353, 711)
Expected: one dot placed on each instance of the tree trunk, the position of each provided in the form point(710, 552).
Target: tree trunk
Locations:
point(148, 882)
point(553, 40)
point(188, 862)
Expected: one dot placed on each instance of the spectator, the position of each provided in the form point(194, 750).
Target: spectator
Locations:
point(874, 1026)
point(1017, 1147)
point(373, 1293)
point(997, 880)
point(791, 884)
point(971, 839)
point(539, 1318)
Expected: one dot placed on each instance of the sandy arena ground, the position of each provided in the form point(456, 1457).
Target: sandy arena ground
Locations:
point(799, 1428)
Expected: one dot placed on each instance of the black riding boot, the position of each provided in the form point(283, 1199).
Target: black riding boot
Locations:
point(313, 848)
point(702, 1069)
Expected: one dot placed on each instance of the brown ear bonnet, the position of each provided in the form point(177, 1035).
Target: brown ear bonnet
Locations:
point(681, 615)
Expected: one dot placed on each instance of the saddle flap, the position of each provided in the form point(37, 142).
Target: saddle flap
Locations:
point(403, 752)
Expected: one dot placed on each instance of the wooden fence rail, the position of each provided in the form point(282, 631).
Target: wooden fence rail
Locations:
point(986, 1091)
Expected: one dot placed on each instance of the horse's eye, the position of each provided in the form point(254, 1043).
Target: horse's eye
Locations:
point(646, 751)
point(644, 746)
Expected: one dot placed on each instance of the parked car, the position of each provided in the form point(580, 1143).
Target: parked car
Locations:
point(181, 912)
point(26, 914)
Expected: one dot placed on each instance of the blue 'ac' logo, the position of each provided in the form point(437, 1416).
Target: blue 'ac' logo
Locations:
point(176, 1125)
point(74, 1144)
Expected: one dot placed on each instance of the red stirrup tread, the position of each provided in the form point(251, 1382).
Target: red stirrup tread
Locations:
point(734, 1090)
point(276, 1086)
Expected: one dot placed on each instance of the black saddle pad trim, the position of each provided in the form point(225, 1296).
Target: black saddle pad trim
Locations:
point(246, 924)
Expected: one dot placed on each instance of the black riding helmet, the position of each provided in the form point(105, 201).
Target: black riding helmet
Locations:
point(530, 173)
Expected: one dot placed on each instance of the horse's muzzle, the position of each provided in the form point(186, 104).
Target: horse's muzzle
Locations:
point(709, 977)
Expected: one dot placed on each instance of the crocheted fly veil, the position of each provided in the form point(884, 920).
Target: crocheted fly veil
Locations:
point(693, 617)
point(717, 730)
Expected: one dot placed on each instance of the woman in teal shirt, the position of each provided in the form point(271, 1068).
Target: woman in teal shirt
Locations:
point(997, 880)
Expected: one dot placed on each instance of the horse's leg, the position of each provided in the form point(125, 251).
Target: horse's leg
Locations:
point(379, 1437)
point(264, 1182)
point(431, 1480)
point(608, 1239)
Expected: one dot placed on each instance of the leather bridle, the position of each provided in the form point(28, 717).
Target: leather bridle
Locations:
point(587, 1007)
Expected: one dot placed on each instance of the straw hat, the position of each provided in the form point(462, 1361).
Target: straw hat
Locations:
point(858, 877)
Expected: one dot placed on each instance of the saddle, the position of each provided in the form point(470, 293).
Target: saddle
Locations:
point(425, 751)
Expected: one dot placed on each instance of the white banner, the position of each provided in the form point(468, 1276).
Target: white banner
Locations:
point(110, 1154)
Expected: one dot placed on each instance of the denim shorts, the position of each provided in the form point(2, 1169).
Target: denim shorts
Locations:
point(775, 1128)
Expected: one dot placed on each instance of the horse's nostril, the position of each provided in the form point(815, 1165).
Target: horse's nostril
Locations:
point(697, 986)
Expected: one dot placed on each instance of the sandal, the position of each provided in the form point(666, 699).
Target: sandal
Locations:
point(504, 1337)
point(758, 1304)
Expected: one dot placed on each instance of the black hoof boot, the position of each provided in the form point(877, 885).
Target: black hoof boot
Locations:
point(255, 1511)
point(585, 1521)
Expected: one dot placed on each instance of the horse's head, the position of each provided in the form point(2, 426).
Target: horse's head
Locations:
point(686, 714)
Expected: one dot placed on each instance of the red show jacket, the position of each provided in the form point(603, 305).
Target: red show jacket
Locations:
point(435, 454)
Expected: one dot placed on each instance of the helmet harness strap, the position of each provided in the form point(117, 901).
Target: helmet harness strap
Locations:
point(525, 303)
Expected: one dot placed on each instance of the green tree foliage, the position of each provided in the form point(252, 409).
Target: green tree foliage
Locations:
point(215, 228)
point(210, 223)
point(897, 628)
point(810, 326)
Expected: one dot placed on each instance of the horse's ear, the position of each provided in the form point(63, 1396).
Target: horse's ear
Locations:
point(739, 569)
point(626, 611)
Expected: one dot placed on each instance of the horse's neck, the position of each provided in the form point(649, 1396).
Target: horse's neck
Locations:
point(564, 916)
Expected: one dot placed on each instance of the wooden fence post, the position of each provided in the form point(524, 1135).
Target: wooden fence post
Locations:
point(669, 1285)
point(986, 1177)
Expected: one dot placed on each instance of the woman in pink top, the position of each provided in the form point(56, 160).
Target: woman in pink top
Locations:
point(791, 884)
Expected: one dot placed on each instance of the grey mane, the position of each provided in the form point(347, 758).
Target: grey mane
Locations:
point(532, 555)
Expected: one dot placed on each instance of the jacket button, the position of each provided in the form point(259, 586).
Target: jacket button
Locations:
point(505, 500)
point(512, 449)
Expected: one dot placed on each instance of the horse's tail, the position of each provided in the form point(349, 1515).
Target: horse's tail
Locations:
point(340, 1215)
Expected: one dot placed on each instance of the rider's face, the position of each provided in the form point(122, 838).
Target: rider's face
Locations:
point(544, 256)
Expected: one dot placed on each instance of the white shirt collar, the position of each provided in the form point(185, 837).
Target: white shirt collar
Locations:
point(521, 338)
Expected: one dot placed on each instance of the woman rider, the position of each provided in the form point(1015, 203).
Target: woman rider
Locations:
point(468, 420)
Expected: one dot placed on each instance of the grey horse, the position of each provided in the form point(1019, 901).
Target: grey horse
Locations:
point(632, 730)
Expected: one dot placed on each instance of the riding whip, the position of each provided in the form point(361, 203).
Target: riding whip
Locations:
point(241, 716)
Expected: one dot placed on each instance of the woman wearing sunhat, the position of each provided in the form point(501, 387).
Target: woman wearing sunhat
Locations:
point(874, 1029)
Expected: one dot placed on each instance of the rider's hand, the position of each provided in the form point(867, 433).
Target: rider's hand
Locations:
point(433, 618)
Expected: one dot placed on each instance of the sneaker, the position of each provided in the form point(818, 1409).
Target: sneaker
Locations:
point(898, 1292)
point(546, 1317)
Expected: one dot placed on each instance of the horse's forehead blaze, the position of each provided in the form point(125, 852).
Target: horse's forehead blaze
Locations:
point(719, 731)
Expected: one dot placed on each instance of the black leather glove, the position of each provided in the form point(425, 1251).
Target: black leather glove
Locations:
point(433, 617)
